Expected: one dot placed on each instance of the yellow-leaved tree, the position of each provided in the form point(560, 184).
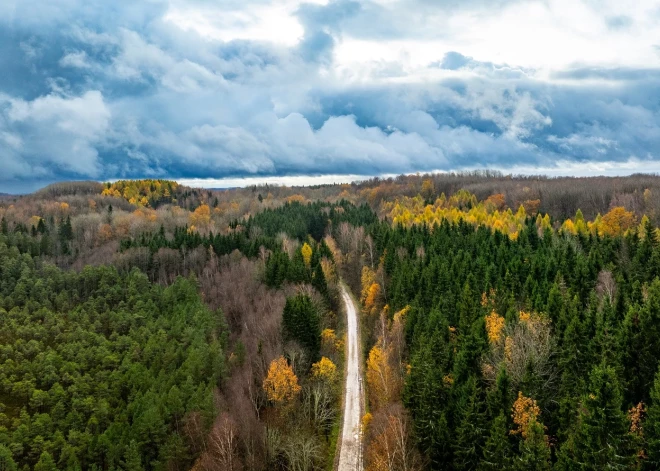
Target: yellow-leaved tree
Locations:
point(325, 370)
point(617, 221)
point(306, 251)
point(494, 325)
point(524, 411)
point(381, 377)
point(281, 383)
point(201, 217)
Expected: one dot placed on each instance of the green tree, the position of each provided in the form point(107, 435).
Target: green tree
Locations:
point(497, 453)
point(6, 460)
point(534, 449)
point(301, 323)
point(319, 282)
point(132, 459)
point(45, 463)
point(639, 343)
point(471, 428)
point(652, 427)
point(600, 439)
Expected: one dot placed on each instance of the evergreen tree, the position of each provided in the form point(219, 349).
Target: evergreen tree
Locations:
point(132, 459)
point(41, 226)
point(652, 427)
point(45, 463)
point(65, 234)
point(500, 399)
point(6, 460)
point(600, 439)
point(301, 323)
point(319, 282)
point(534, 449)
point(639, 344)
point(497, 453)
point(572, 367)
point(471, 428)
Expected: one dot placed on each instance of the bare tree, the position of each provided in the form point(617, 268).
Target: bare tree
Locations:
point(391, 446)
point(606, 287)
point(319, 405)
point(223, 444)
point(523, 345)
point(303, 452)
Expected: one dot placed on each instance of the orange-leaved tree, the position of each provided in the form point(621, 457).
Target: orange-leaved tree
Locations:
point(524, 411)
point(494, 325)
point(617, 221)
point(281, 383)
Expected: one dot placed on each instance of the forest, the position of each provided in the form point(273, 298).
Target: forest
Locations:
point(507, 323)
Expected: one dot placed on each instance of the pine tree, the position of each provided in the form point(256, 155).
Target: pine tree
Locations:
point(45, 463)
point(319, 282)
point(301, 323)
point(600, 439)
point(571, 365)
point(467, 309)
point(652, 427)
point(6, 460)
point(471, 429)
point(132, 459)
point(41, 226)
point(640, 347)
point(500, 399)
point(534, 449)
point(497, 453)
point(65, 234)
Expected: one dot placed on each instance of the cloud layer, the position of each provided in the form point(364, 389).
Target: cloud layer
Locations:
point(265, 88)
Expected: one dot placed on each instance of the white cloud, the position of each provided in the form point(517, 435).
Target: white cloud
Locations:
point(273, 22)
point(58, 131)
point(76, 59)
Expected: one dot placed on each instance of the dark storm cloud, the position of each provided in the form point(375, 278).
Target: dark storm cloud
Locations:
point(113, 89)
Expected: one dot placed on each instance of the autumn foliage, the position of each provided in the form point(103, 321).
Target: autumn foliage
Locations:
point(142, 192)
point(306, 252)
point(524, 411)
point(325, 370)
point(281, 383)
point(494, 326)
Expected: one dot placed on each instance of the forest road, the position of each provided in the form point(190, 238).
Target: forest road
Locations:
point(350, 452)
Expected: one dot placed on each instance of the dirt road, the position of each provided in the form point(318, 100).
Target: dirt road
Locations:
point(350, 453)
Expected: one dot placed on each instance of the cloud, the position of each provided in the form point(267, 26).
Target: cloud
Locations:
point(53, 134)
point(265, 89)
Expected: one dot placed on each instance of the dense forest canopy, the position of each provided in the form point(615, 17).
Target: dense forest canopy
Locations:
point(103, 369)
point(507, 323)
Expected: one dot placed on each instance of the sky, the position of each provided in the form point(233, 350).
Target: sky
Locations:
point(226, 91)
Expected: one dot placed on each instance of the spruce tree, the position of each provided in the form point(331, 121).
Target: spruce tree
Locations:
point(497, 453)
point(319, 282)
point(652, 427)
point(639, 344)
point(301, 323)
point(534, 449)
point(471, 428)
point(600, 439)
point(499, 398)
